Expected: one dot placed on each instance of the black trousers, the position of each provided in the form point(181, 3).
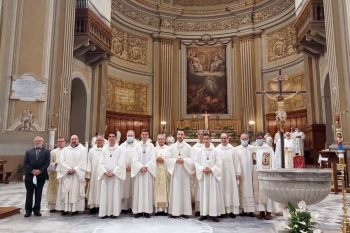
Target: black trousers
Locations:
point(34, 189)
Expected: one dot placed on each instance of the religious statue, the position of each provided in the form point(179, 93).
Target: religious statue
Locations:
point(281, 114)
point(340, 141)
point(170, 140)
point(27, 119)
point(337, 121)
point(194, 123)
point(206, 118)
point(231, 124)
point(217, 123)
point(182, 124)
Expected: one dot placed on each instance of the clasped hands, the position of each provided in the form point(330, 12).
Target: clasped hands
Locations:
point(71, 171)
point(128, 169)
point(36, 172)
point(108, 174)
point(207, 170)
point(180, 161)
point(144, 169)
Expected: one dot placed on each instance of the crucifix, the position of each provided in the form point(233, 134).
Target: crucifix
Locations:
point(281, 115)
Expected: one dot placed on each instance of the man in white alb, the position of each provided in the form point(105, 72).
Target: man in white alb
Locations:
point(269, 140)
point(71, 172)
point(288, 151)
point(143, 179)
point(94, 187)
point(194, 182)
point(299, 142)
point(111, 172)
point(263, 158)
point(130, 147)
point(230, 176)
point(180, 166)
point(162, 177)
point(118, 135)
point(51, 192)
point(244, 159)
point(209, 173)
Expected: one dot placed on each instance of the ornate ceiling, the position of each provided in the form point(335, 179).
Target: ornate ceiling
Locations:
point(175, 17)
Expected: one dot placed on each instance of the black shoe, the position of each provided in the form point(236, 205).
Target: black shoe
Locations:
point(242, 214)
point(124, 212)
point(158, 214)
point(28, 214)
point(37, 213)
point(104, 217)
point(53, 211)
point(164, 214)
point(201, 218)
point(215, 219)
point(197, 214)
point(138, 215)
point(147, 215)
point(92, 211)
point(185, 216)
point(75, 213)
point(223, 216)
point(232, 215)
point(113, 217)
point(64, 213)
point(251, 214)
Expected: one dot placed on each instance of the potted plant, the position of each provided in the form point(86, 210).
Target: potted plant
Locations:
point(193, 135)
point(21, 170)
point(225, 128)
point(218, 135)
point(186, 128)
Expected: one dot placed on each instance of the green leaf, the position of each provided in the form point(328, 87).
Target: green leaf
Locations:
point(291, 207)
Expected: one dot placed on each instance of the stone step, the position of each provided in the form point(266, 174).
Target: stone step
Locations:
point(8, 211)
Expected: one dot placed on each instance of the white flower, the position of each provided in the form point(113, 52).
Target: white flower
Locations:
point(317, 231)
point(296, 226)
point(288, 228)
point(313, 217)
point(301, 231)
point(302, 205)
point(302, 223)
point(286, 214)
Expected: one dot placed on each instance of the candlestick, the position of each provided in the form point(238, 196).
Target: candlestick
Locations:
point(87, 145)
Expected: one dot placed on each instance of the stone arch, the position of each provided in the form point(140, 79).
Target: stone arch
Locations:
point(79, 107)
point(327, 109)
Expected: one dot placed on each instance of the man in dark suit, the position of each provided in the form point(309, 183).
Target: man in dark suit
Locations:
point(36, 162)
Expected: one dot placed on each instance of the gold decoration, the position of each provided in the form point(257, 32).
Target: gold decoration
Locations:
point(130, 48)
point(204, 25)
point(280, 44)
point(202, 2)
point(127, 97)
point(294, 83)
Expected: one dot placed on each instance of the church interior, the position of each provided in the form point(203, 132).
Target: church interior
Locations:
point(78, 67)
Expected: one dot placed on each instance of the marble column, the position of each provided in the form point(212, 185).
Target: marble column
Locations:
point(66, 74)
point(165, 52)
point(334, 25)
point(247, 77)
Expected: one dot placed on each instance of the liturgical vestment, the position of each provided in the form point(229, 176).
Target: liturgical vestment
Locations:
point(51, 193)
point(71, 191)
point(180, 182)
point(112, 160)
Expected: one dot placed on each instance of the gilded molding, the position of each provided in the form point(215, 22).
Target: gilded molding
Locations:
point(295, 82)
point(202, 2)
point(204, 25)
point(130, 48)
point(280, 44)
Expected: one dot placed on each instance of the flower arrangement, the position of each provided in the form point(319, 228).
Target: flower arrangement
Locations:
point(300, 220)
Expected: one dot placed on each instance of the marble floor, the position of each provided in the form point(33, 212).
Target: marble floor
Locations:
point(13, 194)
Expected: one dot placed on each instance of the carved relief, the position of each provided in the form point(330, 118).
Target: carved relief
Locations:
point(129, 48)
point(27, 119)
point(280, 44)
point(202, 2)
point(294, 83)
point(204, 25)
point(127, 97)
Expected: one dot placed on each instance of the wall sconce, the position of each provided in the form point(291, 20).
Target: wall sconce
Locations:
point(163, 123)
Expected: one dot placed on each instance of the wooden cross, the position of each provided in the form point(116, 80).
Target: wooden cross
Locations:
point(280, 78)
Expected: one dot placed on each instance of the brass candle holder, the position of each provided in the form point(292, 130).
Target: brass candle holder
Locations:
point(345, 228)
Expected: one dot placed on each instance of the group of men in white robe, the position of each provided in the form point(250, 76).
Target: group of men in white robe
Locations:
point(139, 177)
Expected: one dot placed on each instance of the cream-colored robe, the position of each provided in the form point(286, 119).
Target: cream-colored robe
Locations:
point(244, 160)
point(51, 192)
point(288, 152)
point(143, 197)
point(112, 159)
point(211, 198)
point(180, 182)
point(129, 149)
point(94, 186)
point(162, 179)
point(71, 191)
point(229, 184)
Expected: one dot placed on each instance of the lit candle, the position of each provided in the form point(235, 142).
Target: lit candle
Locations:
point(86, 145)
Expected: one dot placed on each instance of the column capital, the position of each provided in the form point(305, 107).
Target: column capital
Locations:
point(164, 37)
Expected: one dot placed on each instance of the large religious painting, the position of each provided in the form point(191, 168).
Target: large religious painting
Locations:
point(206, 80)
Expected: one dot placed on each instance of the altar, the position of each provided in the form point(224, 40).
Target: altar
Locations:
point(215, 141)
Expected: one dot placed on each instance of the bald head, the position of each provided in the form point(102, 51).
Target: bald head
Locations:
point(74, 140)
point(224, 139)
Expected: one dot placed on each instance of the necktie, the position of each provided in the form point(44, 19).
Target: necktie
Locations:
point(37, 151)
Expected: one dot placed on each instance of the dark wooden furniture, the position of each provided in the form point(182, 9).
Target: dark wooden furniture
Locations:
point(315, 140)
point(2, 173)
point(124, 122)
point(332, 164)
